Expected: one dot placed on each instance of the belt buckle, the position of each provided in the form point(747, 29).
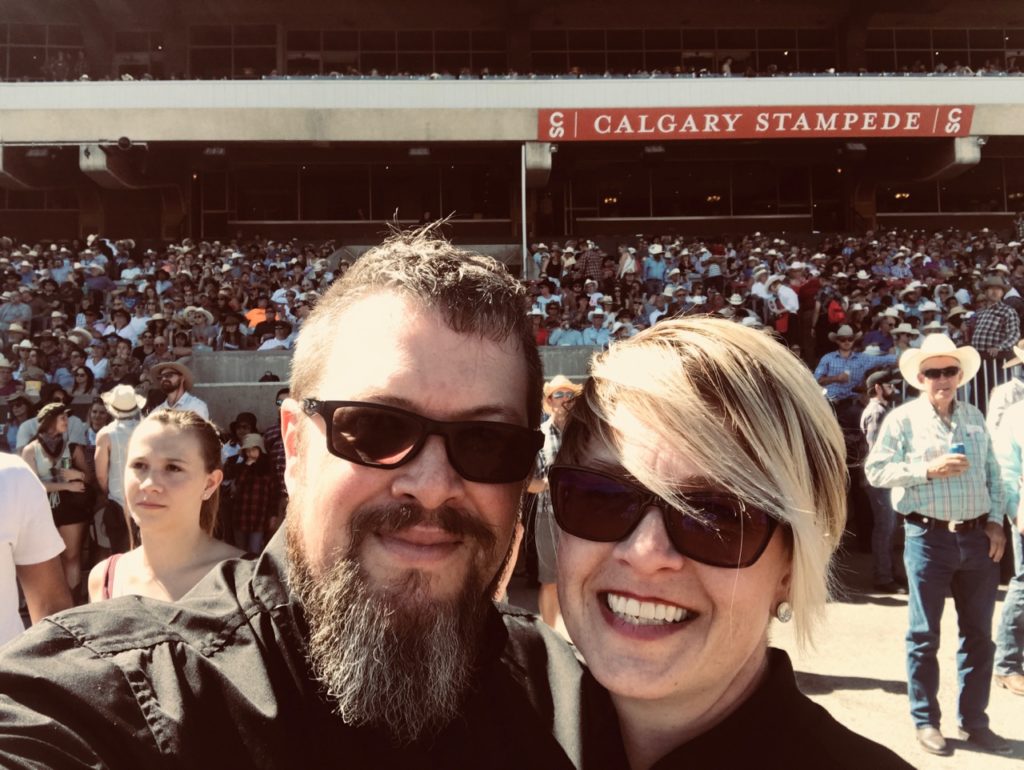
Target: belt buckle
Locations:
point(952, 525)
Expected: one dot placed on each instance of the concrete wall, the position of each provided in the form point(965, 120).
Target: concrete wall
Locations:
point(228, 382)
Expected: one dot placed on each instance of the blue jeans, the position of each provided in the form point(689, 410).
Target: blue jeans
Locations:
point(882, 530)
point(1010, 634)
point(938, 560)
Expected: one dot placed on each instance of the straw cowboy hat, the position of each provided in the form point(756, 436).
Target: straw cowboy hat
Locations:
point(123, 401)
point(556, 383)
point(181, 369)
point(844, 331)
point(905, 329)
point(254, 440)
point(936, 346)
point(4, 363)
point(1018, 352)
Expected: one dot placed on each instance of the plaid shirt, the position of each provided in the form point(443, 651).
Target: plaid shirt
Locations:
point(997, 326)
point(832, 365)
point(254, 499)
point(545, 459)
point(911, 437)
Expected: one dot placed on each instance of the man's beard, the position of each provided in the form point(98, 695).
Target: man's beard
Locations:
point(390, 656)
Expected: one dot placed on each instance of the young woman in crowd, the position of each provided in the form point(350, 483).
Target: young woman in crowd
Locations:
point(84, 389)
point(62, 470)
point(19, 409)
point(171, 491)
point(700, 490)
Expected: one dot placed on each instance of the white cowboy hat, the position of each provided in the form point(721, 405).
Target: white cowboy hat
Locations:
point(4, 363)
point(122, 400)
point(935, 346)
point(736, 299)
point(905, 329)
point(1018, 352)
point(929, 307)
point(933, 326)
point(872, 350)
point(844, 331)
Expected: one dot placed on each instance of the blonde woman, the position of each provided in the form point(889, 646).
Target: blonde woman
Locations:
point(700, 492)
point(171, 491)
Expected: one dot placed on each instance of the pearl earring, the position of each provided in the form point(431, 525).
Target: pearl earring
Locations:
point(784, 612)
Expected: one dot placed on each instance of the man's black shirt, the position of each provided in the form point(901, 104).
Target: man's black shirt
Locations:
point(220, 680)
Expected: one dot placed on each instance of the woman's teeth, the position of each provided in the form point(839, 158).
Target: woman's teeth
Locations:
point(644, 613)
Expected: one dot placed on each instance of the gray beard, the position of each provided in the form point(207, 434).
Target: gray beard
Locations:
point(390, 657)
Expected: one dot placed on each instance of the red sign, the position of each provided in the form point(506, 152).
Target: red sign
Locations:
point(678, 123)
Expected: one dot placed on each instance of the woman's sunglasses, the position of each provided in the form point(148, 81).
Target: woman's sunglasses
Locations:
point(386, 437)
point(597, 506)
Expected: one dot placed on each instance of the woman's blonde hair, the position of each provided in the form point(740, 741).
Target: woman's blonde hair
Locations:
point(745, 412)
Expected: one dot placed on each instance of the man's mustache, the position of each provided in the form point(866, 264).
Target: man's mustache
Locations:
point(394, 518)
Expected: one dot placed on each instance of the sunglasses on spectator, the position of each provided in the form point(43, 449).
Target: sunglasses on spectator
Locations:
point(386, 437)
point(934, 374)
point(844, 339)
point(558, 395)
point(603, 508)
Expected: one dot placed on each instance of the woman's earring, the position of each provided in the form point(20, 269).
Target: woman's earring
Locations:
point(784, 612)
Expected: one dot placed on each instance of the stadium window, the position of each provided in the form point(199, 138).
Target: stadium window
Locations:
point(1014, 38)
point(548, 63)
point(27, 34)
point(451, 62)
point(335, 193)
point(340, 40)
point(547, 40)
point(625, 40)
point(25, 62)
point(979, 58)
point(131, 41)
point(785, 61)
point(662, 40)
point(66, 35)
point(377, 40)
point(267, 193)
point(586, 62)
point(489, 40)
point(880, 61)
point(212, 63)
point(404, 191)
point(585, 39)
point(415, 41)
point(950, 57)
point(383, 63)
point(214, 190)
point(917, 197)
point(340, 61)
point(303, 41)
point(62, 200)
point(823, 39)
point(254, 62)
point(816, 61)
point(986, 38)
point(978, 189)
point(774, 38)
point(912, 39)
point(698, 61)
point(494, 62)
point(879, 40)
point(745, 39)
point(754, 188)
point(913, 60)
point(1013, 172)
point(668, 190)
point(210, 35)
point(663, 60)
point(477, 191)
point(3, 62)
point(452, 40)
point(255, 34)
point(699, 39)
point(413, 63)
point(624, 62)
point(949, 39)
point(794, 189)
point(303, 64)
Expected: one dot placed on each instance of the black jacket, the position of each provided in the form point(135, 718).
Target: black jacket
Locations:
point(220, 680)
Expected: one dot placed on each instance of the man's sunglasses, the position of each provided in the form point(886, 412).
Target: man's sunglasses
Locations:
point(934, 374)
point(597, 506)
point(386, 437)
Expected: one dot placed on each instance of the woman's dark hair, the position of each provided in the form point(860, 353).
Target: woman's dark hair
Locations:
point(90, 380)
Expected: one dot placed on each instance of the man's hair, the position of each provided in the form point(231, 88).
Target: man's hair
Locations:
point(474, 294)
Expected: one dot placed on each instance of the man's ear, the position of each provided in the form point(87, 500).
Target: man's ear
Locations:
point(292, 437)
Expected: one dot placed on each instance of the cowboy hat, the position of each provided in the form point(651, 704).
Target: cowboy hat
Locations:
point(253, 440)
point(184, 371)
point(557, 383)
point(995, 282)
point(193, 310)
point(844, 331)
point(122, 401)
point(905, 329)
point(1018, 352)
point(936, 346)
point(16, 328)
point(955, 311)
point(735, 299)
point(4, 363)
point(933, 326)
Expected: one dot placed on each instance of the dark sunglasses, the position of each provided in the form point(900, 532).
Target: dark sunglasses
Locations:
point(934, 374)
point(386, 437)
point(597, 506)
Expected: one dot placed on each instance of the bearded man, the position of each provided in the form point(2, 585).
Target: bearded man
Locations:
point(365, 635)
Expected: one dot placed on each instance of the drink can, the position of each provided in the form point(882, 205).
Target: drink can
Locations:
point(957, 449)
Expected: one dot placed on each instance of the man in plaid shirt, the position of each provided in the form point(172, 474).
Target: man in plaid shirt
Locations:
point(996, 331)
point(936, 455)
